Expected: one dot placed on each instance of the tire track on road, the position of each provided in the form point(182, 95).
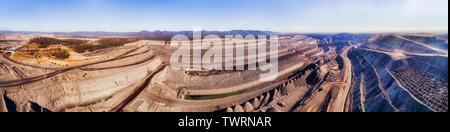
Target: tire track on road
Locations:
point(145, 83)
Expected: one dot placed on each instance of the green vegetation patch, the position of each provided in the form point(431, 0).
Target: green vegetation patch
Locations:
point(59, 53)
point(82, 46)
point(103, 44)
point(208, 97)
point(45, 42)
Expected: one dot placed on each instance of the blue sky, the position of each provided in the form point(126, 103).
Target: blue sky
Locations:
point(274, 15)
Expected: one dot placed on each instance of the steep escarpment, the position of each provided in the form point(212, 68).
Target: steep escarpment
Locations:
point(389, 73)
point(81, 86)
point(434, 41)
point(434, 65)
point(397, 43)
point(425, 78)
point(376, 89)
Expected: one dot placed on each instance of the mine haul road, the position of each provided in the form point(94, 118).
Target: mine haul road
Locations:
point(5, 58)
point(144, 84)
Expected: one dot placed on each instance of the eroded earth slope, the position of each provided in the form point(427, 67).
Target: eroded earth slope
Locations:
point(317, 73)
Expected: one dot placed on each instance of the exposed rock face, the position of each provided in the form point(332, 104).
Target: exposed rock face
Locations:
point(273, 109)
point(73, 87)
point(3, 107)
point(229, 110)
point(238, 108)
point(266, 100)
point(384, 88)
point(389, 73)
point(440, 42)
point(248, 107)
point(397, 42)
point(261, 98)
point(255, 103)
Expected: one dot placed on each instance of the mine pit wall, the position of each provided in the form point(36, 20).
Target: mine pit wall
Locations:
point(264, 95)
point(363, 61)
point(3, 107)
point(273, 100)
point(434, 65)
point(269, 101)
point(435, 42)
point(183, 80)
point(391, 42)
point(65, 91)
point(8, 73)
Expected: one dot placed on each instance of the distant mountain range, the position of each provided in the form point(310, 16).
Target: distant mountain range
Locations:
point(156, 33)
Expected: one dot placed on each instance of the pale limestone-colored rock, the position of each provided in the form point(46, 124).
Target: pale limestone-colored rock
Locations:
point(282, 104)
point(248, 107)
point(256, 103)
point(229, 109)
point(262, 110)
point(275, 93)
point(261, 98)
point(266, 100)
point(238, 108)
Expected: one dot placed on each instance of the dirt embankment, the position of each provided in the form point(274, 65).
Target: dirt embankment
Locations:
point(382, 91)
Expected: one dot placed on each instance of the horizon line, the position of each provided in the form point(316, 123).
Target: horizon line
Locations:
point(318, 32)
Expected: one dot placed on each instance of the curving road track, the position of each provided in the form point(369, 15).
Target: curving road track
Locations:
point(57, 71)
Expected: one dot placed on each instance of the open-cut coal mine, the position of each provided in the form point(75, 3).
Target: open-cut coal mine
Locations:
point(132, 73)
